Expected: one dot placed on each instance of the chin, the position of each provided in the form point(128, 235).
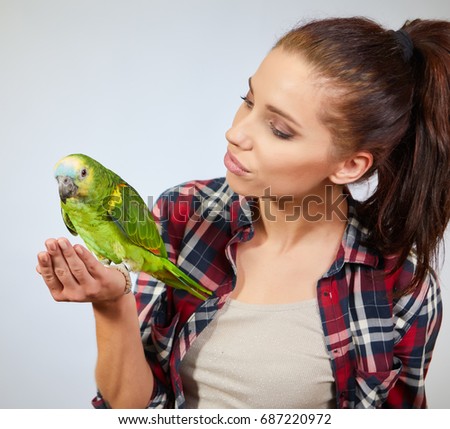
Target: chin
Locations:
point(242, 186)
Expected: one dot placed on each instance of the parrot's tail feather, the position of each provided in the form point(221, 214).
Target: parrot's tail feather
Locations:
point(181, 280)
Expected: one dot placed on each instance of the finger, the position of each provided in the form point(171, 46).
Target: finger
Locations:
point(59, 264)
point(75, 264)
point(109, 283)
point(45, 269)
point(94, 267)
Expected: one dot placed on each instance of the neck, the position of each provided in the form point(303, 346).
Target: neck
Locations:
point(286, 220)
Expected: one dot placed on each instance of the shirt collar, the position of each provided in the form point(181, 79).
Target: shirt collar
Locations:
point(352, 249)
point(242, 209)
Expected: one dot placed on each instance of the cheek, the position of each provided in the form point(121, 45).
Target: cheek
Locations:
point(279, 163)
point(294, 170)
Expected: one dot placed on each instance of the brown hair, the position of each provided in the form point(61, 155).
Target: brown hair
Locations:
point(395, 104)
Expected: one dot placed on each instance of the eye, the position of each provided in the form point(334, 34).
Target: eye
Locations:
point(279, 133)
point(83, 173)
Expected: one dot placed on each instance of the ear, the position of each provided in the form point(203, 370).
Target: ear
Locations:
point(353, 168)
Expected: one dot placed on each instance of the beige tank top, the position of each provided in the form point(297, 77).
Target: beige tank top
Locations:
point(260, 356)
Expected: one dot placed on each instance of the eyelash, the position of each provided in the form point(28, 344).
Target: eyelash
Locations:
point(247, 101)
point(275, 131)
point(279, 133)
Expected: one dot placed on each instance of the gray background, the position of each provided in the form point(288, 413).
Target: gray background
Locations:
point(148, 88)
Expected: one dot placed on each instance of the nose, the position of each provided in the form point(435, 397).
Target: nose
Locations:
point(240, 133)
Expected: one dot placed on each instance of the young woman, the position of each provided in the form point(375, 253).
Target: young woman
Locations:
point(319, 301)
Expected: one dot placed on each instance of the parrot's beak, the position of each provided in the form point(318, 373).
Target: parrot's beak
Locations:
point(67, 188)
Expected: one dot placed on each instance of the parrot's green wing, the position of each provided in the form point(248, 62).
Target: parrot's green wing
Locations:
point(131, 214)
point(68, 222)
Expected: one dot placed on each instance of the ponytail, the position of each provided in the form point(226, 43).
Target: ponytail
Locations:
point(411, 206)
point(391, 97)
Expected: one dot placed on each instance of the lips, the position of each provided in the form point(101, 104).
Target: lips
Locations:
point(233, 165)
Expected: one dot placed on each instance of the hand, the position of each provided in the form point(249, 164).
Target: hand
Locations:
point(73, 274)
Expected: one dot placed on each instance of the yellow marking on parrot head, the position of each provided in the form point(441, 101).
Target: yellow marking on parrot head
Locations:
point(78, 169)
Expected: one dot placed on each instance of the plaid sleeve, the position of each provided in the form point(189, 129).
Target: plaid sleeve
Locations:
point(418, 318)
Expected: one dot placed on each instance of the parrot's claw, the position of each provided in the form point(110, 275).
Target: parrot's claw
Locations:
point(106, 262)
point(127, 266)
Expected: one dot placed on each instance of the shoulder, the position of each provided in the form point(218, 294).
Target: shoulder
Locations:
point(197, 188)
point(400, 279)
point(378, 273)
point(198, 218)
point(181, 201)
point(395, 275)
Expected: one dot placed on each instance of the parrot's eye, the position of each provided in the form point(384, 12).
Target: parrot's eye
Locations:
point(83, 172)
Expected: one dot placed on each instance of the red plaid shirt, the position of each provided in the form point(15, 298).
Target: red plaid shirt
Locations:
point(379, 346)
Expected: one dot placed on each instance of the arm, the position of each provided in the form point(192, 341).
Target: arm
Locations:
point(122, 373)
point(73, 274)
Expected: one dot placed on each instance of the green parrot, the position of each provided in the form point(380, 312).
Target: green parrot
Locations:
point(114, 222)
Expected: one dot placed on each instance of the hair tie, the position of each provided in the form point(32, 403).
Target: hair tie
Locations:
point(406, 43)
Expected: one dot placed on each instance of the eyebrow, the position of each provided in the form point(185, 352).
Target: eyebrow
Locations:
point(274, 109)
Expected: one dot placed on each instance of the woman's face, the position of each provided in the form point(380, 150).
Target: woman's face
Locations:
point(277, 146)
